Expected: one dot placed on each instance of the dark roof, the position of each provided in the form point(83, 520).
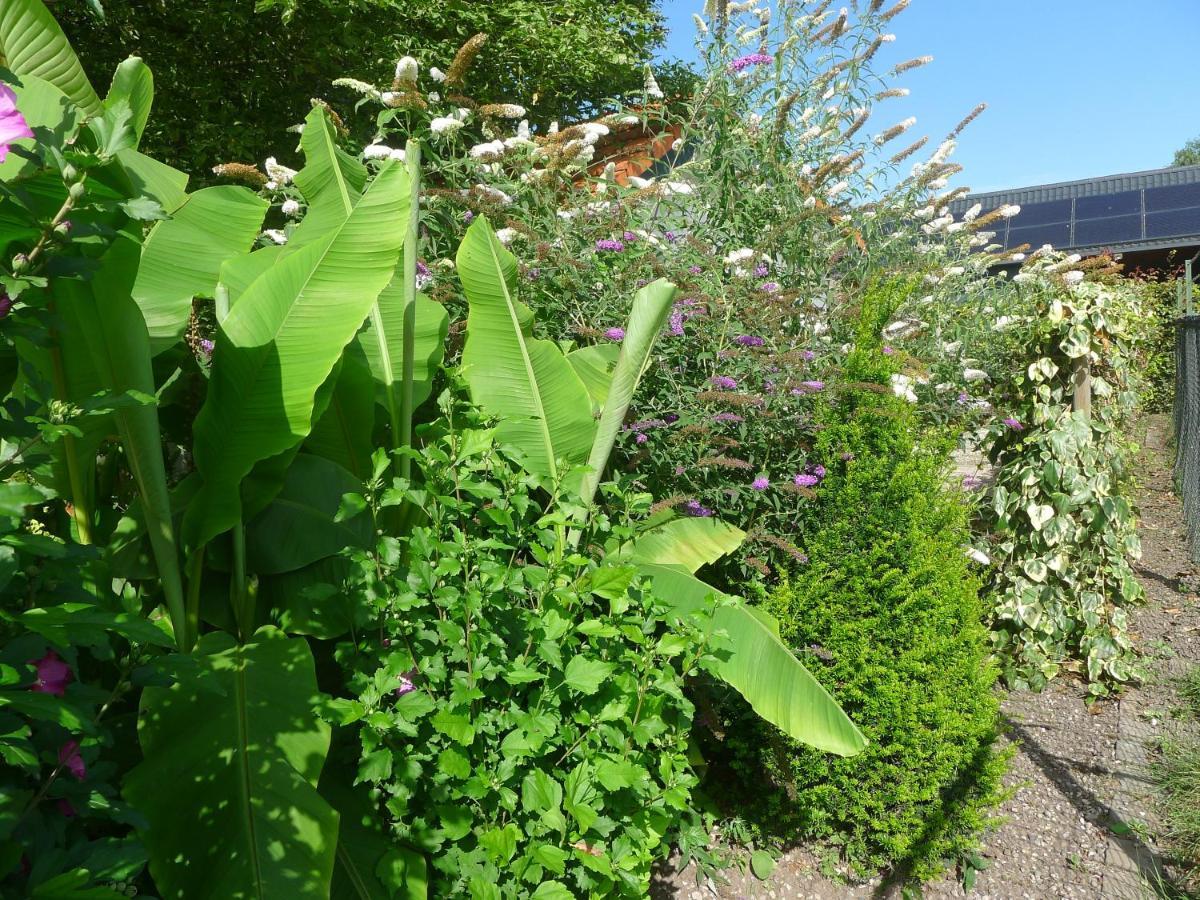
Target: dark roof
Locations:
point(1156, 209)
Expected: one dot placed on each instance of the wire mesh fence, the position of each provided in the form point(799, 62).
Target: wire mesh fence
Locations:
point(1187, 425)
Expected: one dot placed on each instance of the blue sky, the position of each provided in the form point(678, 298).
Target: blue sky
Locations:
point(1075, 88)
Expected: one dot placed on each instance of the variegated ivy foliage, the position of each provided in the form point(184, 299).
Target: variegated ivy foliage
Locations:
point(1063, 527)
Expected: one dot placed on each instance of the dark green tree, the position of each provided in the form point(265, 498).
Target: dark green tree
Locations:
point(231, 78)
point(1188, 154)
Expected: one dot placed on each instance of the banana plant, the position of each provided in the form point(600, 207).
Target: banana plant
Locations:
point(545, 414)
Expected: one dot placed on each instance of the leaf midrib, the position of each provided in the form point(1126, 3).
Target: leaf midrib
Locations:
point(535, 390)
point(243, 747)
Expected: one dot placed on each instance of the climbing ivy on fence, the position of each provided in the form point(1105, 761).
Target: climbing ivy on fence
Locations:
point(1060, 517)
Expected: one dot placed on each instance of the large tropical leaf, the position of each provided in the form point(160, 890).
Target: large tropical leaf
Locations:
point(344, 432)
point(543, 407)
point(31, 43)
point(280, 343)
point(761, 667)
point(145, 175)
point(594, 365)
point(382, 340)
point(183, 255)
point(689, 542)
point(298, 527)
point(331, 181)
point(44, 106)
point(228, 783)
point(104, 313)
point(651, 305)
point(133, 83)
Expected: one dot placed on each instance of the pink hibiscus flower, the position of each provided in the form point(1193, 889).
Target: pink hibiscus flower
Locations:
point(53, 675)
point(12, 124)
point(68, 755)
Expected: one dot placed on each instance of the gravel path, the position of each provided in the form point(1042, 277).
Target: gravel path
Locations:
point(1081, 820)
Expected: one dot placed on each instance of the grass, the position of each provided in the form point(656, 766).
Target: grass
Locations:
point(1177, 776)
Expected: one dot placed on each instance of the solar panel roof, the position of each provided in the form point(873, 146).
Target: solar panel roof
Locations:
point(1134, 211)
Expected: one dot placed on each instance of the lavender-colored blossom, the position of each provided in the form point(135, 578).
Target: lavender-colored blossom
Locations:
point(640, 438)
point(407, 686)
point(749, 340)
point(761, 483)
point(751, 59)
point(642, 282)
point(615, 334)
point(629, 237)
point(207, 346)
point(770, 287)
point(808, 387)
point(609, 244)
point(724, 382)
point(733, 418)
point(888, 350)
point(422, 269)
point(534, 274)
point(971, 482)
point(805, 480)
point(761, 270)
point(468, 217)
point(694, 508)
point(675, 323)
point(964, 398)
point(670, 237)
point(1014, 424)
point(808, 355)
point(818, 470)
point(695, 270)
point(671, 418)
point(847, 456)
point(769, 386)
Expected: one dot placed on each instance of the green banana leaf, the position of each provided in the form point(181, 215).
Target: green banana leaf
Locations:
point(183, 255)
point(134, 83)
point(542, 404)
point(594, 365)
point(690, 542)
point(44, 106)
point(651, 306)
point(761, 667)
point(331, 180)
point(31, 43)
point(228, 783)
point(382, 340)
point(344, 432)
point(298, 527)
point(239, 272)
point(280, 343)
point(103, 312)
point(143, 174)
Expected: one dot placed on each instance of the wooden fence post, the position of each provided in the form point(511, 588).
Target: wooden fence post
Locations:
point(1082, 380)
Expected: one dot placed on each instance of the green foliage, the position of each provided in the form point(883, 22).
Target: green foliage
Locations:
point(1158, 365)
point(887, 615)
point(249, 736)
point(1188, 154)
point(233, 77)
point(522, 708)
point(1064, 531)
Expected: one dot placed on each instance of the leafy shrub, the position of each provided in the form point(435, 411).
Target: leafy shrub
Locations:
point(1063, 528)
point(232, 77)
point(522, 705)
point(887, 614)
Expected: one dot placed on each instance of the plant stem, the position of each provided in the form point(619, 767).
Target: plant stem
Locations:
point(238, 595)
point(412, 157)
point(195, 572)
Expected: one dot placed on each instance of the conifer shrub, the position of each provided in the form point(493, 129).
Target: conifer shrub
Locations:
point(887, 615)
